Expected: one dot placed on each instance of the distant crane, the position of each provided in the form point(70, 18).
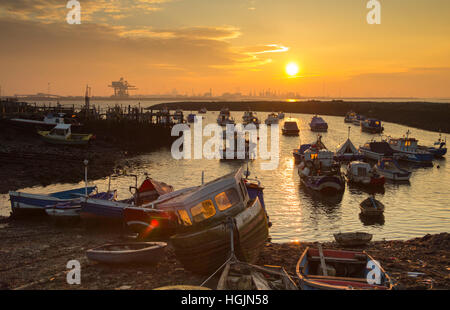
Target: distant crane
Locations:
point(121, 88)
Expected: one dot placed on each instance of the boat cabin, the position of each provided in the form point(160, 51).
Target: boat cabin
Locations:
point(52, 119)
point(359, 168)
point(325, 157)
point(209, 203)
point(61, 131)
point(403, 144)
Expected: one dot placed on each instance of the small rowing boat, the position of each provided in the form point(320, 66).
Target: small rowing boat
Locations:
point(371, 207)
point(353, 239)
point(320, 269)
point(128, 253)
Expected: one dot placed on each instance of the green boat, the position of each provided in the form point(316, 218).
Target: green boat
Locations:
point(62, 134)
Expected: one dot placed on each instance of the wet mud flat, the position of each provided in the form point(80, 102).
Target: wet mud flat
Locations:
point(34, 254)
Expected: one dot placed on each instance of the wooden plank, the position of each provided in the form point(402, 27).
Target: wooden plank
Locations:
point(259, 281)
point(322, 261)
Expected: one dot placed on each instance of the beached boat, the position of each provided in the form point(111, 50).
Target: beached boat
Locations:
point(371, 207)
point(243, 276)
point(318, 124)
point(391, 170)
point(409, 151)
point(363, 174)
point(372, 125)
point(49, 121)
point(353, 239)
point(25, 203)
point(320, 269)
point(128, 253)
point(272, 118)
point(203, 244)
point(112, 211)
point(290, 128)
point(70, 210)
point(62, 134)
point(439, 149)
point(350, 117)
point(318, 171)
point(375, 150)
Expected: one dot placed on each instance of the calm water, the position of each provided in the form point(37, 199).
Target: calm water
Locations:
point(412, 210)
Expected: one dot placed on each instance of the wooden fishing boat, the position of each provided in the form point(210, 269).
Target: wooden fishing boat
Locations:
point(62, 134)
point(202, 243)
point(353, 239)
point(129, 253)
point(243, 276)
point(320, 269)
point(371, 207)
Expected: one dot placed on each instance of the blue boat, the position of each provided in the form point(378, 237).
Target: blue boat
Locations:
point(391, 170)
point(409, 150)
point(318, 124)
point(439, 149)
point(372, 125)
point(300, 152)
point(24, 203)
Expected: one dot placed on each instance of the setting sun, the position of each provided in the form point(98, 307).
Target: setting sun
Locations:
point(292, 69)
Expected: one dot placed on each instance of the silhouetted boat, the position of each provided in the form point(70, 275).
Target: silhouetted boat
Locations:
point(372, 125)
point(290, 128)
point(318, 124)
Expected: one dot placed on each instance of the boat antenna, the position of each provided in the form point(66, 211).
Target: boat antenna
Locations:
point(247, 172)
point(203, 177)
point(85, 162)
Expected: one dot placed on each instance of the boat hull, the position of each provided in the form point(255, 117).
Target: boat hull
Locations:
point(326, 184)
point(205, 251)
point(145, 253)
point(288, 132)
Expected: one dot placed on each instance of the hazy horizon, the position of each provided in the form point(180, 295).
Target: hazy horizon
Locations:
point(227, 46)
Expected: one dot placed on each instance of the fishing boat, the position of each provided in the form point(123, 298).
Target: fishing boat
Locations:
point(372, 125)
point(371, 207)
point(409, 151)
point(62, 134)
point(318, 171)
point(290, 128)
point(362, 173)
point(353, 239)
point(272, 118)
point(439, 149)
point(250, 118)
point(281, 115)
point(65, 211)
point(202, 111)
point(203, 244)
point(318, 124)
point(128, 253)
point(347, 151)
point(243, 276)
point(376, 150)
point(300, 152)
point(112, 211)
point(25, 203)
point(320, 269)
point(391, 170)
point(150, 221)
point(358, 119)
point(350, 117)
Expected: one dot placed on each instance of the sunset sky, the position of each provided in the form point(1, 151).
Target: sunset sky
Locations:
point(227, 45)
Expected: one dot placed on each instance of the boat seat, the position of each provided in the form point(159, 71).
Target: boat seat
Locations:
point(339, 260)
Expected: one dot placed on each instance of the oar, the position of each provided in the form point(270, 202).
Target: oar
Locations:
point(322, 261)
